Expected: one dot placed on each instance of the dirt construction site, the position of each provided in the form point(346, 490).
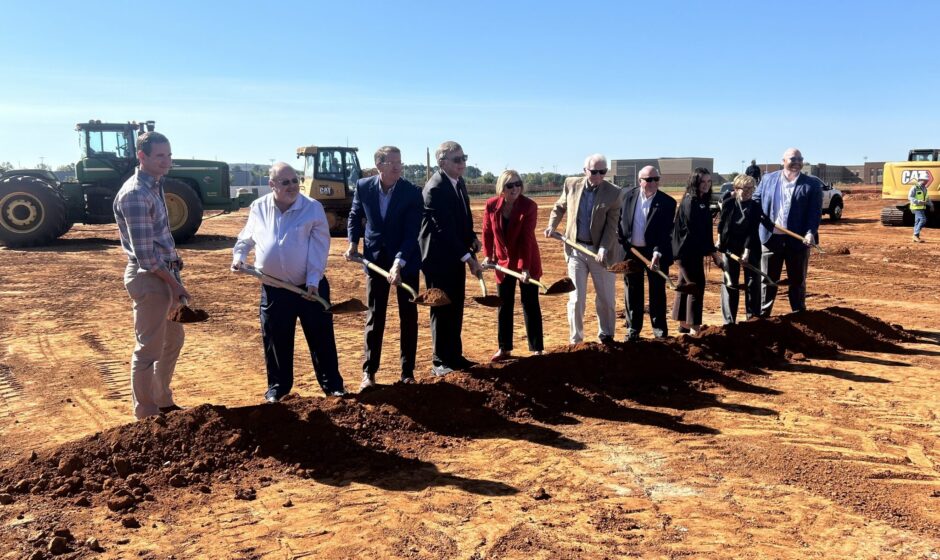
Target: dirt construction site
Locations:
point(810, 435)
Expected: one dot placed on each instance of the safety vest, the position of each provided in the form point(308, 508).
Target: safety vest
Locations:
point(920, 198)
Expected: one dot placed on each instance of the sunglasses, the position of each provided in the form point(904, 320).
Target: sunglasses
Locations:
point(513, 185)
point(796, 159)
point(286, 182)
point(598, 171)
point(650, 179)
point(458, 159)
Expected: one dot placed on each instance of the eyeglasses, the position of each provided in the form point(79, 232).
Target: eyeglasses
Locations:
point(796, 159)
point(458, 159)
point(650, 179)
point(286, 182)
point(513, 185)
point(598, 171)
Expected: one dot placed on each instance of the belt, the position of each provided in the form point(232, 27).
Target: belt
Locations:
point(583, 242)
point(172, 265)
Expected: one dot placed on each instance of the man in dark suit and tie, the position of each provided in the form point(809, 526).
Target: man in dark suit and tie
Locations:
point(646, 223)
point(448, 244)
point(793, 200)
point(386, 209)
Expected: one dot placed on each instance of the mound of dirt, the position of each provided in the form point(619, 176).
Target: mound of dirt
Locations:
point(390, 428)
point(186, 314)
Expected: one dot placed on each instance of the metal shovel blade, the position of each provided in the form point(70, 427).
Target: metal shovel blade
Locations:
point(488, 301)
point(434, 297)
point(563, 286)
point(186, 314)
point(625, 267)
point(689, 288)
point(352, 305)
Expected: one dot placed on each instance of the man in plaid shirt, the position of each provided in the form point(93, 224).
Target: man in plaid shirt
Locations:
point(152, 276)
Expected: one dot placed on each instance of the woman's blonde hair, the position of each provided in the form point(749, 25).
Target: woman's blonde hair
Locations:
point(743, 181)
point(505, 177)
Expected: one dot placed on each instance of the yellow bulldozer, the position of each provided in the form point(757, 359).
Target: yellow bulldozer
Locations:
point(898, 179)
point(330, 175)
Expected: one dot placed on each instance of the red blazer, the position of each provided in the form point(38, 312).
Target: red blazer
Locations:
point(515, 248)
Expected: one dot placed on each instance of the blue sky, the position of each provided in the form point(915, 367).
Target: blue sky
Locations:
point(527, 85)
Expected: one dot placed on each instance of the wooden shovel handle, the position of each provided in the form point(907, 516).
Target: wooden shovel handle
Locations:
point(649, 265)
point(252, 271)
point(797, 236)
point(518, 275)
point(376, 268)
point(571, 243)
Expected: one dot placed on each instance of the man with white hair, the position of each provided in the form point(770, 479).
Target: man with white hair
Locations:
point(792, 200)
point(291, 238)
point(593, 208)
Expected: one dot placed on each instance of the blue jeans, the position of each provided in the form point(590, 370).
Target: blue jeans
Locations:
point(279, 312)
point(920, 219)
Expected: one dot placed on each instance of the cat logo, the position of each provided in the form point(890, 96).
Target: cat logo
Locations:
point(911, 176)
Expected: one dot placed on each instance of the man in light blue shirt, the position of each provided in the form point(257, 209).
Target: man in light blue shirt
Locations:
point(291, 238)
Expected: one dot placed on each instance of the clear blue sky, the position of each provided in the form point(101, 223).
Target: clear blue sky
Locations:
point(529, 85)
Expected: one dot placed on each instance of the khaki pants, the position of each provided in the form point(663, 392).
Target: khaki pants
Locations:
point(159, 342)
point(605, 286)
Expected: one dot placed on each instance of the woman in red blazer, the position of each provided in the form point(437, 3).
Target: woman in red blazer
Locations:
point(509, 220)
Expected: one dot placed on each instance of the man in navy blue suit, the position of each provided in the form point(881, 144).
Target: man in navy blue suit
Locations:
point(793, 200)
point(386, 209)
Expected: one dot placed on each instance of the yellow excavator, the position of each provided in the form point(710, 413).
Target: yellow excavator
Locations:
point(898, 179)
point(330, 175)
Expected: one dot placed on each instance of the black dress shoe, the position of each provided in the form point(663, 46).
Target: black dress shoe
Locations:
point(463, 363)
point(171, 408)
point(633, 337)
point(607, 340)
point(407, 378)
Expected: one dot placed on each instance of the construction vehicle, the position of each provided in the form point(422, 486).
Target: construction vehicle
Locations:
point(330, 175)
point(898, 179)
point(36, 208)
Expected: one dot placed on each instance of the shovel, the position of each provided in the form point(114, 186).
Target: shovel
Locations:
point(434, 297)
point(753, 268)
point(347, 306)
point(184, 313)
point(562, 286)
point(618, 268)
point(485, 300)
point(683, 289)
point(797, 236)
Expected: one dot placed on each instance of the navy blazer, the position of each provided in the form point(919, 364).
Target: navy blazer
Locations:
point(446, 225)
point(659, 223)
point(397, 234)
point(805, 209)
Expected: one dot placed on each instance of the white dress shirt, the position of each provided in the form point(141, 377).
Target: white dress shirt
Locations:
point(783, 198)
point(292, 245)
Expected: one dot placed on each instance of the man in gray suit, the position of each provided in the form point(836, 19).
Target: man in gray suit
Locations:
point(593, 208)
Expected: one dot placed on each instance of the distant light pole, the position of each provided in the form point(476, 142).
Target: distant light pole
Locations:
point(742, 166)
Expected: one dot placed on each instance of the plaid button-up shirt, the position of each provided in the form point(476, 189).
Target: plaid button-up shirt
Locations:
point(142, 220)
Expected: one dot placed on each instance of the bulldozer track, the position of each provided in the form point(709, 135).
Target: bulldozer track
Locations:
point(10, 389)
point(112, 372)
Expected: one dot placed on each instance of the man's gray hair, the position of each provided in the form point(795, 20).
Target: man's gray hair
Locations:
point(276, 167)
point(383, 152)
point(445, 149)
point(595, 158)
point(645, 168)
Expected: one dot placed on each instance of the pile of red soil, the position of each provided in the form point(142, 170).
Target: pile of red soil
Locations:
point(186, 314)
point(433, 297)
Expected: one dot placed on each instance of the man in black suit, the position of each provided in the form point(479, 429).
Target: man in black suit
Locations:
point(646, 223)
point(387, 210)
point(447, 244)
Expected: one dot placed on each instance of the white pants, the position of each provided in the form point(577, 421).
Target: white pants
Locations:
point(605, 286)
point(159, 342)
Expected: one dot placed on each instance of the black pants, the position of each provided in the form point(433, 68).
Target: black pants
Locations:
point(531, 313)
point(447, 320)
point(279, 312)
point(752, 289)
point(778, 251)
point(377, 290)
point(688, 307)
point(634, 297)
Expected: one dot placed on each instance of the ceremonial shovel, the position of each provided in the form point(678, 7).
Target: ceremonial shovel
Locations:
point(347, 306)
point(434, 297)
point(623, 267)
point(797, 236)
point(562, 286)
point(682, 289)
point(485, 300)
point(184, 313)
point(754, 269)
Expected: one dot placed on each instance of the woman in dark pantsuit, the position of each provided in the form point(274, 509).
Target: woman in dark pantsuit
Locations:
point(509, 220)
point(692, 241)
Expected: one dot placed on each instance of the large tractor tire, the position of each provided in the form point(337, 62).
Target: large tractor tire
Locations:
point(835, 209)
point(31, 212)
point(184, 209)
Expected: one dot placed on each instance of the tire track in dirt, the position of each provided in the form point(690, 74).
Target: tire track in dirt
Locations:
point(114, 373)
point(10, 391)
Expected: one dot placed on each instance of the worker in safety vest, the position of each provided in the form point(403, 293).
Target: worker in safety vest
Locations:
point(919, 204)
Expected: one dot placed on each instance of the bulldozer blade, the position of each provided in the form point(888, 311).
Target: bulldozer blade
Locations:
point(352, 305)
point(625, 267)
point(563, 286)
point(434, 297)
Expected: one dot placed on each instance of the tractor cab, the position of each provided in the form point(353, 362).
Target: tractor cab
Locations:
point(924, 155)
point(108, 150)
point(330, 175)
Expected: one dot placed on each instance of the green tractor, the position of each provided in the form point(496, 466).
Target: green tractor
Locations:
point(36, 208)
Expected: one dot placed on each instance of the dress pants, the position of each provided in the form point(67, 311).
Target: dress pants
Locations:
point(531, 313)
point(752, 289)
point(688, 307)
point(159, 341)
point(447, 320)
point(634, 297)
point(279, 312)
point(377, 291)
point(781, 249)
point(605, 286)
